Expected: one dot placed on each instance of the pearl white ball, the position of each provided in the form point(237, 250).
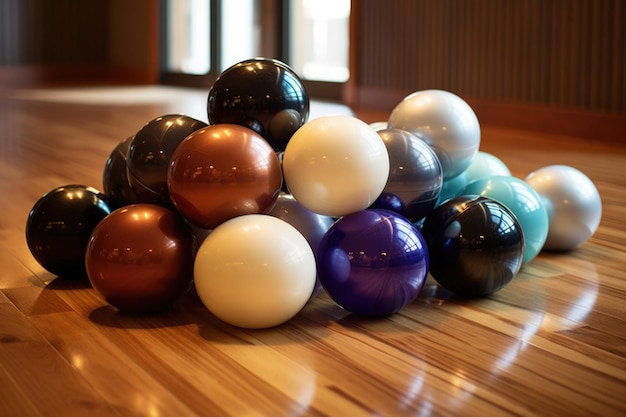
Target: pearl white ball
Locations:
point(255, 271)
point(336, 165)
point(446, 122)
point(573, 204)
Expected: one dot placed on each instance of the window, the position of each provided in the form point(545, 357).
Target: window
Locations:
point(188, 36)
point(240, 33)
point(204, 37)
point(319, 32)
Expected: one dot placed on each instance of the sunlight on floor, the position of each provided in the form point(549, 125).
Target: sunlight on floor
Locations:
point(189, 101)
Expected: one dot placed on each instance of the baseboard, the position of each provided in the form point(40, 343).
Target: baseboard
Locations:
point(535, 117)
point(34, 76)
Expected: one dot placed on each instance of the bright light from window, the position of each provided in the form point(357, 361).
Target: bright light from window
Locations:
point(240, 32)
point(188, 36)
point(320, 39)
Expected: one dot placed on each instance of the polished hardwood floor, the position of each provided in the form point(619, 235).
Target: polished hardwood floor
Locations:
point(551, 343)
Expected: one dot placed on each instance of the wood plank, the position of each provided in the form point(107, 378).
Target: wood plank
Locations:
point(551, 343)
point(36, 379)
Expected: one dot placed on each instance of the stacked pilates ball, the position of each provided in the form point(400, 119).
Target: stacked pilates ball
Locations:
point(261, 208)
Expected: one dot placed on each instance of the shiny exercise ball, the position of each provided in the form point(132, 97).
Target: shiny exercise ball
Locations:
point(450, 188)
point(446, 122)
point(483, 165)
point(573, 204)
point(313, 226)
point(150, 152)
point(389, 201)
point(336, 165)
point(373, 262)
point(415, 174)
point(140, 258)
point(59, 225)
point(486, 165)
point(523, 201)
point(255, 271)
point(476, 245)
point(115, 176)
point(223, 171)
point(264, 95)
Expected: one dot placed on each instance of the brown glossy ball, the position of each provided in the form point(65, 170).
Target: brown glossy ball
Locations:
point(140, 258)
point(223, 171)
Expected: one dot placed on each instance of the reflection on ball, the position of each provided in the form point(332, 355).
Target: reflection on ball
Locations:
point(475, 244)
point(140, 258)
point(223, 171)
point(59, 225)
point(255, 271)
point(573, 204)
point(373, 262)
point(523, 201)
point(336, 165)
point(446, 122)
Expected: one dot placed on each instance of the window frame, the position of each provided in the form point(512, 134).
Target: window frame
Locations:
point(275, 45)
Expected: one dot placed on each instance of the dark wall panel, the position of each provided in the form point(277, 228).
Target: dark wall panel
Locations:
point(57, 32)
point(566, 53)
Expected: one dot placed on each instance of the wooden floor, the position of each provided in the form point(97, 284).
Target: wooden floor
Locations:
point(552, 343)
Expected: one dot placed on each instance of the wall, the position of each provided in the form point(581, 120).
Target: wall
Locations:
point(556, 54)
point(133, 37)
point(58, 41)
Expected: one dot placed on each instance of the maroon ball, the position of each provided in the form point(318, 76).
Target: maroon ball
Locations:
point(140, 258)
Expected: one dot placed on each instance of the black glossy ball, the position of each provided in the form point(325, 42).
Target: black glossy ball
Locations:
point(115, 177)
point(150, 152)
point(476, 245)
point(59, 225)
point(262, 94)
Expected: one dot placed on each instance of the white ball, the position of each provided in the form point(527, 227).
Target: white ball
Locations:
point(336, 165)
point(255, 271)
point(446, 122)
point(573, 204)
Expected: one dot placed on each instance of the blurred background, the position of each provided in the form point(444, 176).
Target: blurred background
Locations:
point(518, 62)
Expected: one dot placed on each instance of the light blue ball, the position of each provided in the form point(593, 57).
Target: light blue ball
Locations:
point(523, 201)
point(486, 165)
point(483, 165)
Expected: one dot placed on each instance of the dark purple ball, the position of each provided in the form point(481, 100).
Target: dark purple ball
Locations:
point(476, 245)
point(389, 201)
point(373, 262)
point(59, 225)
point(264, 95)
